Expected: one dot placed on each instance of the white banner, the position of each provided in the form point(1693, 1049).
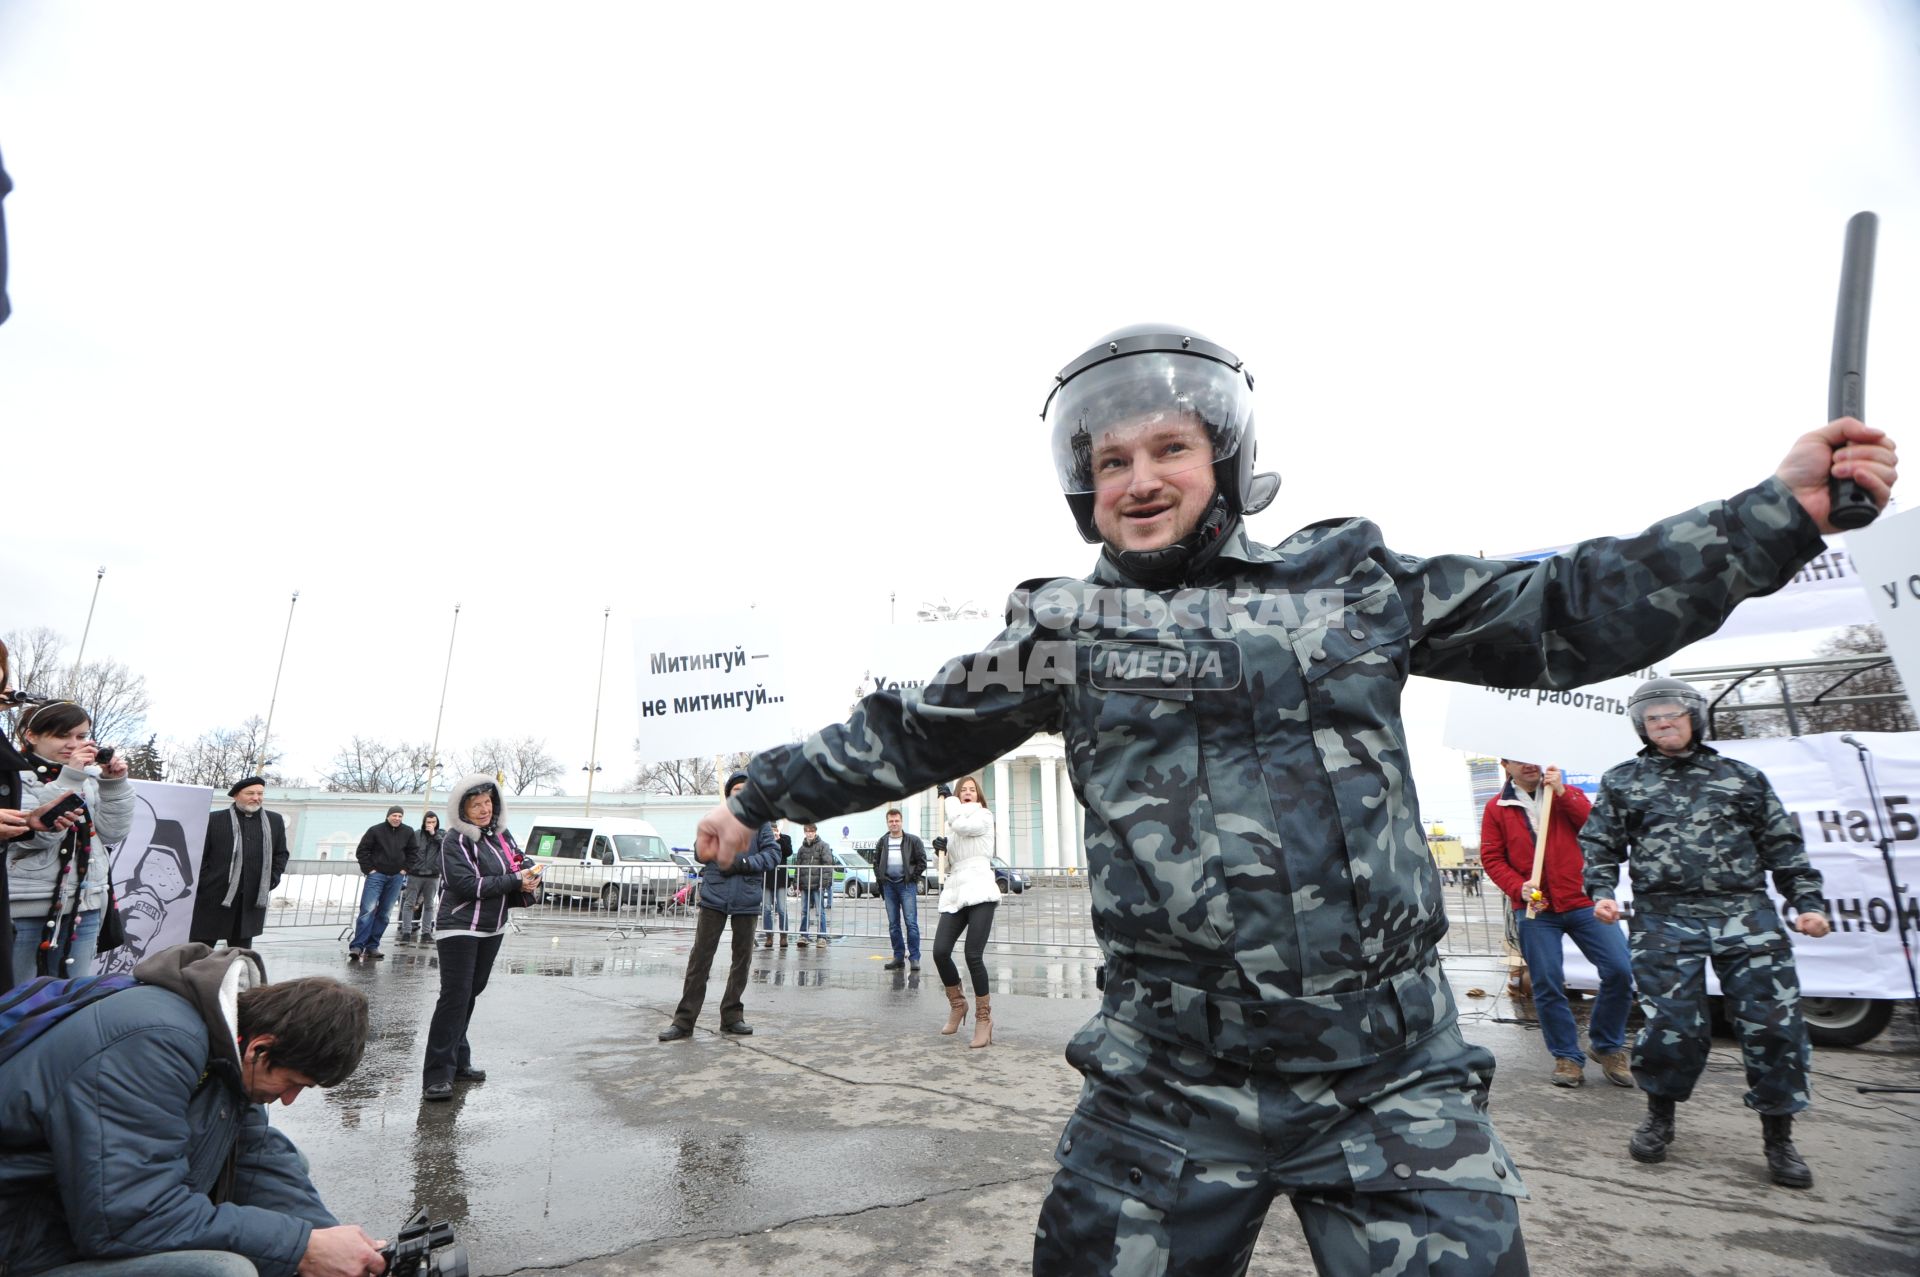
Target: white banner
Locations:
point(1585, 730)
point(709, 683)
point(156, 868)
point(904, 657)
point(1822, 787)
point(1888, 555)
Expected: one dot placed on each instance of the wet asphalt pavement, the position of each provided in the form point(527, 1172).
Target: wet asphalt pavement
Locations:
point(847, 1137)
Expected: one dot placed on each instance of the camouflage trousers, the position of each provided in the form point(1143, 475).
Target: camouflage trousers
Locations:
point(1760, 990)
point(1171, 1159)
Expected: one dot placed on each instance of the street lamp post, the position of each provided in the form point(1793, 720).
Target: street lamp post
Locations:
point(260, 755)
point(593, 753)
point(73, 681)
point(433, 754)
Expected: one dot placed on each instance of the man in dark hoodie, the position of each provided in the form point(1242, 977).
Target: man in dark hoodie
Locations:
point(727, 896)
point(135, 1122)
point(382, 853)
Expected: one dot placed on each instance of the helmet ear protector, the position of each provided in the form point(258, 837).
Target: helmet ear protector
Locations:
point(1661, 691)
point(1153, 372)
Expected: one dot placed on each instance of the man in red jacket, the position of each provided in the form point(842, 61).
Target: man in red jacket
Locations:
point(1508, 834)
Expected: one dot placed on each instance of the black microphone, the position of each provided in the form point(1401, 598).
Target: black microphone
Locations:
point(1851, 507)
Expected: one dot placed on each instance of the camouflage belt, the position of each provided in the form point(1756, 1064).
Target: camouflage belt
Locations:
point(1685, 904)
point(1288, 1035)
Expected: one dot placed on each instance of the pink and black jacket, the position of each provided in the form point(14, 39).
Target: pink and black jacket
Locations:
point(479, 868)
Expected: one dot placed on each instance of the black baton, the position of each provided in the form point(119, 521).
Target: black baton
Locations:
point(1847, 378)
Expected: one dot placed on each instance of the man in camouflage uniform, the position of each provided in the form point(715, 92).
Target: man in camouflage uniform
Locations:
point(1275, 1017)
point(1703, 831)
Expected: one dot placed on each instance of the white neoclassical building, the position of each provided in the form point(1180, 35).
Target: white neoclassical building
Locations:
point(1038, 823)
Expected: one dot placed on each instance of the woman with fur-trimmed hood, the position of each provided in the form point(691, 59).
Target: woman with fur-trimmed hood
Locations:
point(483, 873)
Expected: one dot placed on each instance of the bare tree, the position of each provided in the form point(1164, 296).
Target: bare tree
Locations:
point(364, 766)
point(114, 696)
point(529, 764)
point(219, 757)
point(685, 775)
point(1801, 688)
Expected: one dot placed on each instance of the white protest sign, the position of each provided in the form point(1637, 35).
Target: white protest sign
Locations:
point(709, 684)
point(905, 657)
point(1887, 554)
point(1825, 593)
point(1820, 783)
point(156, 870)
point(1585, 729)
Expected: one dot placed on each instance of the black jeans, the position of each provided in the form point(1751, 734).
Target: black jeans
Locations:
point(706, 939)
point(465, 964)
point(977, 922)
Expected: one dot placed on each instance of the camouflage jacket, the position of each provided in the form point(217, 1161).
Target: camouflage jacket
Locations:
point(1703, 831)
point(1252, 832)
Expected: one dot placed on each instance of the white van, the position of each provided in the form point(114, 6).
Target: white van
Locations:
point(610, 862)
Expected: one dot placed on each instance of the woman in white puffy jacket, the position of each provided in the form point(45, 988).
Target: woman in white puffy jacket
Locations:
point(58, 880)
point(968, 898)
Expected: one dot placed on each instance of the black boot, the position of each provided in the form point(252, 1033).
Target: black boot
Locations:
point(1783, 1159)
point(1651, 1137)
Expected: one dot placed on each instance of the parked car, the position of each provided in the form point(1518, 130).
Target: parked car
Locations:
point(610, 862)
point(854, 875)
point(1008, 878)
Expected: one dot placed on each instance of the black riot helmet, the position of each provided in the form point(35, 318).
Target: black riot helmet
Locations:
point(1142, 375)
point(1665, 691)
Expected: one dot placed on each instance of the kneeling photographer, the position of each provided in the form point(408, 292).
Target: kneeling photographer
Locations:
point(133, 1114)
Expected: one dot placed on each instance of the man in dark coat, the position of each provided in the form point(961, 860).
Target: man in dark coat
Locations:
point(241, 861)
point(728, 898)
point(383, 853)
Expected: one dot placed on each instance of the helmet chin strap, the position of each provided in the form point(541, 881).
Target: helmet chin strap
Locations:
point(1168, 564)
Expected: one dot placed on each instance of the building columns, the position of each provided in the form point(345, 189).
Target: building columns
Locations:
point(1002, 812)
point(1050, 813)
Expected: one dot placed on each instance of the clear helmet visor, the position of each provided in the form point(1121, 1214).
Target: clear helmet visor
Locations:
point(1154, 413)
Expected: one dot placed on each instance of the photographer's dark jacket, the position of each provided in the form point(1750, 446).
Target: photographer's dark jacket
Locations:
point(120, 1120)
point(384, 849)
point(737, 890)
point(479, 868)
point(211, 918)
point(11, 762)
point(1261, 883)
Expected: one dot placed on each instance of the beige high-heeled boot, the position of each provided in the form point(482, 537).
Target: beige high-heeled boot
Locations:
point(957, 1002)
point(982, 1021)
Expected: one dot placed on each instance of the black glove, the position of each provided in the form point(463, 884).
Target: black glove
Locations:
point(945, 790)
point(940, 844)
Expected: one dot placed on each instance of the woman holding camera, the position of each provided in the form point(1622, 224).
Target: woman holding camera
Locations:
point(968, 897)
point(483, 873)
point(59, 880)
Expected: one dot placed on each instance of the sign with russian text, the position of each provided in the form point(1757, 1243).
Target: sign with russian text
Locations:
point(1821, 784)
point(709, 684)
point(1581, 729)
point(1887, 553)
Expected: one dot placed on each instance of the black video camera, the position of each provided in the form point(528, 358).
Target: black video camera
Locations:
point(414, 1251)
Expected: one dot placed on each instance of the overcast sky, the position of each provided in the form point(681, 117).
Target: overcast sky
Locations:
point(548, 308)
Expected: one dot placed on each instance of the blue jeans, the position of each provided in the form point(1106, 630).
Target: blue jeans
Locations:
point(1605, 947)
point(902, 897)
point(82, 934)
point(773, 900)
point(376, 906)
point(815, 900)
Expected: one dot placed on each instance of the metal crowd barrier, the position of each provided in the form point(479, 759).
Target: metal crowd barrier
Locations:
point(1049, 914)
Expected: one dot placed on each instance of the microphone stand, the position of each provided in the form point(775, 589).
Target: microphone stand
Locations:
point(1893, 885)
